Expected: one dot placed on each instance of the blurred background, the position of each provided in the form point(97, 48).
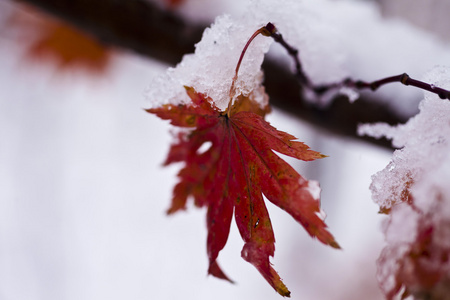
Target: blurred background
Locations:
point(83, 194)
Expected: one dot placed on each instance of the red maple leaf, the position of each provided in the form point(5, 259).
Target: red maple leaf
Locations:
point(174, 3)
point(233, 174)
point(48, 40)
point(69, 48)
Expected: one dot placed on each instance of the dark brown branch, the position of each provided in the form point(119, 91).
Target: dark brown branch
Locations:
point(272, 32)
point(136, 25)
point(145, 28)
point(340, 118)
point(359, 84)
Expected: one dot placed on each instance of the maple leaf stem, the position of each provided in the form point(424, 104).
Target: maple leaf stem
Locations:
point(262, 31)
point(348, 82)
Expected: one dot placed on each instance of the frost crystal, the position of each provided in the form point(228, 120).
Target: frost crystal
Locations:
point(414, 189)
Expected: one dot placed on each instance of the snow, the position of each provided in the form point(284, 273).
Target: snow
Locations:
point(314, 189)
point(424, 134)
point(401, 228)
point(350, 93)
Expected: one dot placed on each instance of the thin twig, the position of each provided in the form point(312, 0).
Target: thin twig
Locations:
point(273, 32)
point(359, 84)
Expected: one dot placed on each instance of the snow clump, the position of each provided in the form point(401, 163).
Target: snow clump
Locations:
point(414, 190)
point(210, 69)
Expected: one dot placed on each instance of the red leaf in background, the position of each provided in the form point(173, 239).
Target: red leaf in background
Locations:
point(174, 3)
point(69, 48)
point(234, 172)
point(55, 42)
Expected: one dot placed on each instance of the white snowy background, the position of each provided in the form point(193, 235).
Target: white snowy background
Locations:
point(83, 194)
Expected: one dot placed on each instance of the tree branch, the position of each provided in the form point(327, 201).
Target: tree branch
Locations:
point(135, 25)
point(147, 29)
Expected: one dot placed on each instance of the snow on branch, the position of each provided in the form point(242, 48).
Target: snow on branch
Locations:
point(414, 190)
